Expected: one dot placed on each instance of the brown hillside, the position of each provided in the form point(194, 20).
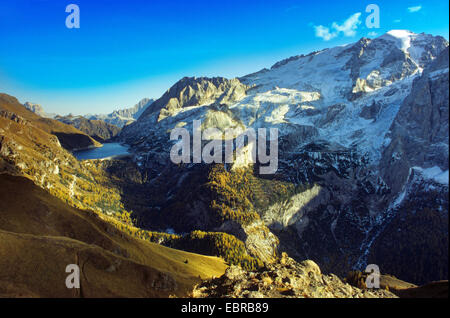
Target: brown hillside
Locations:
point(40, 235)
point(69, 137)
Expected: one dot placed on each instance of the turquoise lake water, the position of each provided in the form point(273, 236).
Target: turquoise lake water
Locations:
point(108, 150)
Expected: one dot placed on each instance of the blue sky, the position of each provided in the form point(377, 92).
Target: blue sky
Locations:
point(127, 50)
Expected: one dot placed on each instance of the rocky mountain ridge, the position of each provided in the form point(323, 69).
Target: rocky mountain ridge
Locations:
point(117, 118)
point(123, 117)
point(97, 129)
point(335, 188)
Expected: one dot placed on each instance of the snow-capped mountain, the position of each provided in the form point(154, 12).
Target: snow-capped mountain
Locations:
point(300, 91)
point(363, 131)
point(125, 116)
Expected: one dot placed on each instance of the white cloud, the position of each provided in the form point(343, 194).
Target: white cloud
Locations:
point(414, 9)
point(348, 28)
point(324, 33)
point(372, 33)
point(397, 20)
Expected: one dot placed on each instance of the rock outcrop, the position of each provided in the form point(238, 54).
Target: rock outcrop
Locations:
point(285, 279)
point(196, 91)
point(37, 109)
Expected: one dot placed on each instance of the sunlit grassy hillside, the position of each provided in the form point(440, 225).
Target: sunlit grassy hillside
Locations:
point(40, 235)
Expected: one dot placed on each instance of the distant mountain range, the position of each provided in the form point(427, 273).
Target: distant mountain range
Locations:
point(68, 136)
point(97, 129)
point(124, 117)
point(101, 127)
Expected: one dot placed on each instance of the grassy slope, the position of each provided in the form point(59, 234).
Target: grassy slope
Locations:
point(40, 235)
point(69, 136)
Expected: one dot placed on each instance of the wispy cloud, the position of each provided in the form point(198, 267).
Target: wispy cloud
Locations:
point(397, 20)
point(414, 9)
point(372, 34)
point(348, 28)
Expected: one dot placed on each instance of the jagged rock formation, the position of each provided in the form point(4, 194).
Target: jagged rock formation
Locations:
point(135, 111)
point(285, 279)
point(97, 129)
point(37, 109)
point(125, 116)
point(193, 91)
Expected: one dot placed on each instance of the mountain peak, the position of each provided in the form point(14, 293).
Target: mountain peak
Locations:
point(196, 91)
point(400, 33)
point(405, 39)
point(401, 38)
point(122, 117)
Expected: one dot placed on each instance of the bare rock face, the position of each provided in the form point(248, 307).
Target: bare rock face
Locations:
point(370, 112)
point(260, 241)
point(37, 109)
point(135, 111)
point(193, 91)
point(332, 112)
point(285, 279)
point(415, 167)
point(123, 117)
point(364, 52)
point(419, 132)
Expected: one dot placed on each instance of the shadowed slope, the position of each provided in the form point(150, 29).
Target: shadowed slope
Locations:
point(40, 235)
